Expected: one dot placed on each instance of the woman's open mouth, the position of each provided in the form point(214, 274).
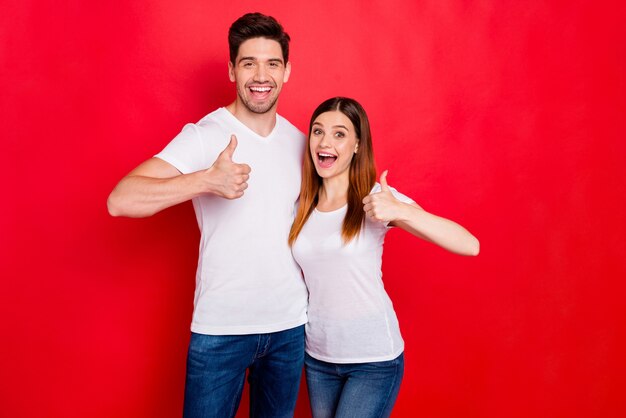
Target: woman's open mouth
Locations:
point(325, 160)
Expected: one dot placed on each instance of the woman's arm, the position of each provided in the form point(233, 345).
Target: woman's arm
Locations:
point(384, 207)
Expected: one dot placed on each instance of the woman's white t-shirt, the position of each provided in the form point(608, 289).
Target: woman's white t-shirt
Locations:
point(350, 316)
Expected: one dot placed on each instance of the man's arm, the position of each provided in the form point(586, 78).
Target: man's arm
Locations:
point(156, 185)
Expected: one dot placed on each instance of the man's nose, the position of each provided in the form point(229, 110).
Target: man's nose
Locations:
point(261, 73)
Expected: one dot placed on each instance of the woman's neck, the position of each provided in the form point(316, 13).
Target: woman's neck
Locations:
point(334, 193)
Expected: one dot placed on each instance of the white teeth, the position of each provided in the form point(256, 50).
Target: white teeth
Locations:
point(260, 89)
point(321, 154)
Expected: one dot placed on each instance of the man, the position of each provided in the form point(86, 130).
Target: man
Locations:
point(240, 165)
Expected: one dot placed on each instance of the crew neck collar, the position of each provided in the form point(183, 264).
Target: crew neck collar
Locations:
point(344, 207)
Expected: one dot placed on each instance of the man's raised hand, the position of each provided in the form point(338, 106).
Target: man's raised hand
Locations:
point(227, 178)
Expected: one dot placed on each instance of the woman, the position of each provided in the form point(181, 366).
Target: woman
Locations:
point(354, 362)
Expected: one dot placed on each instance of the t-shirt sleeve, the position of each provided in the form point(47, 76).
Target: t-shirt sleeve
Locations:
point(394, 192)
point(400, 196)
point(186, 151)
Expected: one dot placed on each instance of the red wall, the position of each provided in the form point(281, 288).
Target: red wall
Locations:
point(505, 116)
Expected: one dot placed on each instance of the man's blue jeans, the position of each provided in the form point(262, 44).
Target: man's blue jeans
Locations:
point(358, 390)
point(216, 368)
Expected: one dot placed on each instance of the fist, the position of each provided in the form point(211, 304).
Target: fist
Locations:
point(382, 206)
point(227, 178)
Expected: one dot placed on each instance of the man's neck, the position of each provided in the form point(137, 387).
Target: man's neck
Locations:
point(261, 123)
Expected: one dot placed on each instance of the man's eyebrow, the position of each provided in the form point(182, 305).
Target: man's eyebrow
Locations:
point(253, 58)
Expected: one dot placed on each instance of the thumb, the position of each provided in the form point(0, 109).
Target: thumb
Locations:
point(383, 181)
point(230, 148)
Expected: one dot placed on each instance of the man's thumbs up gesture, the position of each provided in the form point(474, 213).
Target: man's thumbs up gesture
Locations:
point(227, 178)
point(382, 206)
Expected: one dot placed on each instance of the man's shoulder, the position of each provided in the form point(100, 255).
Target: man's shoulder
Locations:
point(288, 128)
point(211, 124)
point(215, 118)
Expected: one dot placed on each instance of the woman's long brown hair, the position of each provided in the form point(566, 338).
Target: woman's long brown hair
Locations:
point(362, 171)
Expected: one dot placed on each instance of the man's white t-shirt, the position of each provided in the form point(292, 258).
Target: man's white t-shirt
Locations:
point(351, 318)
point(247, 281)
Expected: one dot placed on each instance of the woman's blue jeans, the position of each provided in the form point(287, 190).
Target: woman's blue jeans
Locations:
point(359, 390)
point(216, 369)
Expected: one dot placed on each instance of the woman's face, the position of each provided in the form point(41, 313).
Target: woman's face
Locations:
point(332, 143)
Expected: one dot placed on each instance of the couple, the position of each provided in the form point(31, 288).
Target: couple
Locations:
point(241, 165)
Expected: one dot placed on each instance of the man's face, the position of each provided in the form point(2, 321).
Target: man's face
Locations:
point(259, 73)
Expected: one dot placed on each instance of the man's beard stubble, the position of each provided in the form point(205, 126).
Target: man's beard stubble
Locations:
point(260, 109)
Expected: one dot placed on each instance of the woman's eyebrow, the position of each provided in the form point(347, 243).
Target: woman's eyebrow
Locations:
point(334, 126)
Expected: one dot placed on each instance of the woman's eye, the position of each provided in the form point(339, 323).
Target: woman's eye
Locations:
point(317, 131)
point(340, 134)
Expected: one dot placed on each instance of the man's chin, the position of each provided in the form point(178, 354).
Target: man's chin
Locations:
point(260, 108)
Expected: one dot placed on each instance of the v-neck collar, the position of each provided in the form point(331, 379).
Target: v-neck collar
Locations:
point(239, 123)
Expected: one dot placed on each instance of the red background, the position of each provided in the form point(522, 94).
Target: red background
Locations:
point(505, 116)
